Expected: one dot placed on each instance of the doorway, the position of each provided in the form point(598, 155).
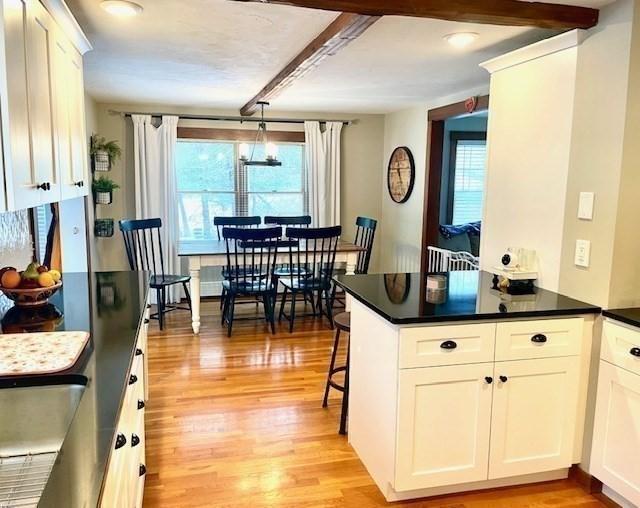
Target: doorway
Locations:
point(454, 184)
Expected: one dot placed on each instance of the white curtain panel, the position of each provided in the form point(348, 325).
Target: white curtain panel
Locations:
point(322, 152)
point(156, 188)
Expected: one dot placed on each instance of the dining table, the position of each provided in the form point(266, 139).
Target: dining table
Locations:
point(204, 253)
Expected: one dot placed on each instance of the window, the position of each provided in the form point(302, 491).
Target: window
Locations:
point(466, 176)
point(211, 182)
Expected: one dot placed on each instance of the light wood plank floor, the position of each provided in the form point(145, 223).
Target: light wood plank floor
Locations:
point(238, 423)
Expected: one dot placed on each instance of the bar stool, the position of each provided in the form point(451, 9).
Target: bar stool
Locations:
point(342, 322)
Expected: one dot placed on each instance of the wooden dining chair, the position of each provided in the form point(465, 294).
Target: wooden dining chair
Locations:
point(365, 236)
point(251, 257)
point(143, 244)
point(312, 256)
point(288, 220)
point(237, 221)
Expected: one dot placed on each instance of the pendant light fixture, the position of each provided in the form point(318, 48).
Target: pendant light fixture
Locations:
point(270, 149)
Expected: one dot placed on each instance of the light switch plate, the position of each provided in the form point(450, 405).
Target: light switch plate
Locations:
point(585, 206)
point(583, 251)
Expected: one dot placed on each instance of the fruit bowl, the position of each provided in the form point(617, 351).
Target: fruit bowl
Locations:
point(29, 297)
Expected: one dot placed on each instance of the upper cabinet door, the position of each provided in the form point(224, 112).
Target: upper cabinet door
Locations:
point(40, 39)
point(70, 136)
point(534, 416)
point(79, 140)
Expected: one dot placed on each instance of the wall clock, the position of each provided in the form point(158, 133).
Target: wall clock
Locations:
point(401, 174)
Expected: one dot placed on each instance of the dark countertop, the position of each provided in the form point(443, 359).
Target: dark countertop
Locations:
point(111, 306)
point(401, 299)
point(630, 316)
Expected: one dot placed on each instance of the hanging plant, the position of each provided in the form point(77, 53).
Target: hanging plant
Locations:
point(104, 153)
point(103, 188)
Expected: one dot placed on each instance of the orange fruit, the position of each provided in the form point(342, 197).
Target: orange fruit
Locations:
point(45, 280)
point(10, 279)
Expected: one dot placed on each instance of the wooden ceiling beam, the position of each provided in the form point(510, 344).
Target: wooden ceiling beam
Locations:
point(494, 12)
point(344, 29)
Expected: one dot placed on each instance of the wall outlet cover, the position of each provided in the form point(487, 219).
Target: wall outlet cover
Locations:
point(583, 251)
point(585, 205)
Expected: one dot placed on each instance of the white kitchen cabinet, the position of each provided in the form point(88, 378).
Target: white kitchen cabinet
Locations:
point(124, 481)
point(42, 104)
point(491, 411)
point(616, 435)
point(443, 425)
point(534, 416)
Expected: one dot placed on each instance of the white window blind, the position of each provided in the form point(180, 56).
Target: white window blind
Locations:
point(470, 158)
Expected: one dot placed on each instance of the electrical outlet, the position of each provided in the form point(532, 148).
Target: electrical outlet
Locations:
point(583, 251)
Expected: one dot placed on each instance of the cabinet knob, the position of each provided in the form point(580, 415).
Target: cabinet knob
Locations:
point(132, 379)
point(121, 440)
point(140, 404)
point(135, 440)
point(45, 186)
point(539, 338)
point(138, 351)
point(488, 379)
point(146, 321)
point(635, 351)
point(143, 470)
point(79, 183)
point(448, 344)
point(504, 379)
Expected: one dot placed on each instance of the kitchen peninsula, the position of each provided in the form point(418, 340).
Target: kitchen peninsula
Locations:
point(100, 440)
point(481, 389)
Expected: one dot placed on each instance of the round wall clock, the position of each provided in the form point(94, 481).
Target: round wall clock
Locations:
point(401, 174)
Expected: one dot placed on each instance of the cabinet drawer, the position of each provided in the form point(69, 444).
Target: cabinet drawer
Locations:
point(446, 345)
point(621, 346)
point(548, 338)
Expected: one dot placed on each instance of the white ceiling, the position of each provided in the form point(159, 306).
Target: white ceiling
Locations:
point(218, 54)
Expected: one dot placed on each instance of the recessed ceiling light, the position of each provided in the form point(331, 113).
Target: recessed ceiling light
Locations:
point(461, 39)
point(121, 8)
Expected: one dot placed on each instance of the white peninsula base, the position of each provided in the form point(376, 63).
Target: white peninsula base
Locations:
point(503, 405)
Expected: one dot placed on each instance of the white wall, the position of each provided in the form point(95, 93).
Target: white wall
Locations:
point(528, 148)
point(402, 223)
point(362, 144)
point(596, 151)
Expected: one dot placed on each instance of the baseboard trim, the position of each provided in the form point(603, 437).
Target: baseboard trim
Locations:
point(592, 485)
point(484, 485)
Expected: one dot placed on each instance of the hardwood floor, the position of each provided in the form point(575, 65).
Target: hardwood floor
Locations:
point(238, 423)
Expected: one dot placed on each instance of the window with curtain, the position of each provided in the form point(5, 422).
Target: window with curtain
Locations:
point(211, 182)
point(466, 176)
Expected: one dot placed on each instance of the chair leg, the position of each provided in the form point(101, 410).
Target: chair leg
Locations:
point(292, 315)
point(231, 303)
point(282, 302)
point(332, 364)
point(320, 311)
point(329, 307)
point(333, 295)
point(159, 303)
point(225, 308)
point(222, 298)
point(187, 294)
point(268, 311)
point(345, 396)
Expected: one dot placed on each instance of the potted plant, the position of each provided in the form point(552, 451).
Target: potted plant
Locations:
point(104, 153)
point(103, 188)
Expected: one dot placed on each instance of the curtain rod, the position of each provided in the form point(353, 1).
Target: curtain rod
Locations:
point(222, 118)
